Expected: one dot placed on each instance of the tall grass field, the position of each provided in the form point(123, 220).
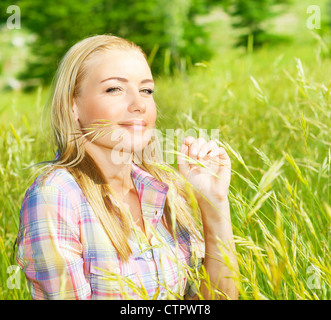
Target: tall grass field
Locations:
point(272, 109)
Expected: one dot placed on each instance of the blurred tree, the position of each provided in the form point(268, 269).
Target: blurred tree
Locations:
point(328, 14)
point(166, 30)
point(251, 15)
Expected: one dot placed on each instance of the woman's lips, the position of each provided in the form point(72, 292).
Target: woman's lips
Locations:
point(137, 125)
point(133, 127)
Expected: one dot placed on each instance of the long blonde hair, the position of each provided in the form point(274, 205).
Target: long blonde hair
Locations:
point(73, 156)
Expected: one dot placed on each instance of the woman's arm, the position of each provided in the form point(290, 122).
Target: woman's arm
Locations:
point(49, 249)
point(217, 225)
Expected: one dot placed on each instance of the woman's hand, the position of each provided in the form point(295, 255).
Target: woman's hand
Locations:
point(214, 182)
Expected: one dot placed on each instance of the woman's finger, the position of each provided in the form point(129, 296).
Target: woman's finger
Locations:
point(207, 148)
point(221, 153)
point(183, 165)
point(220, 158)
point(188, 140)
point(195, 147)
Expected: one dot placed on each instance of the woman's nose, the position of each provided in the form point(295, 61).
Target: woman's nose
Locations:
point(137, 103)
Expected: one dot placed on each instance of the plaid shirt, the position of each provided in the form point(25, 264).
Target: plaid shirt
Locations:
point(66, 254)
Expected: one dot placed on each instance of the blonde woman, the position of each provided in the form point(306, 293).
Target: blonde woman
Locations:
point(105, 220)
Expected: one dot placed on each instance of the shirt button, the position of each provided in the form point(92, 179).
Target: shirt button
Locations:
point(162, 295)
point(148, 255)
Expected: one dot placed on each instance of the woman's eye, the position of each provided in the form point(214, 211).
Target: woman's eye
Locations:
point(117, 89)
point(113, 89)
point(148, 91)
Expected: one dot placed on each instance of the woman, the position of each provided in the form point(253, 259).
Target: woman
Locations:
point(105, 221)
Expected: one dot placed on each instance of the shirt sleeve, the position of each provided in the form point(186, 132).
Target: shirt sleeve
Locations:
point(49, 250)
point(197, 254)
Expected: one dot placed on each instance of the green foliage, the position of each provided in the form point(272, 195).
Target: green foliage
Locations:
point(166, 30)
point(250, 16)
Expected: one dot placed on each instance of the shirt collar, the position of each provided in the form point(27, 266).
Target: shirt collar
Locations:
point(151, 192)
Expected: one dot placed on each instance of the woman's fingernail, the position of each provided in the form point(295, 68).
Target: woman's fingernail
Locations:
point(194, 151)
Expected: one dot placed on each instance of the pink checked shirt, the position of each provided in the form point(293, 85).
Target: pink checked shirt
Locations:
point(65, 253)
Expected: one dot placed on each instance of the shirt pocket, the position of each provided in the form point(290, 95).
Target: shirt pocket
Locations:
point(104, 276)
point(137, 273)
point(113, 279)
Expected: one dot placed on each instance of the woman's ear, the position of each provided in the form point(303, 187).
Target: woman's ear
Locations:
point(75, 111)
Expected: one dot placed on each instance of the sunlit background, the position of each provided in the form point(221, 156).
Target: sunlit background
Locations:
point(256, 70)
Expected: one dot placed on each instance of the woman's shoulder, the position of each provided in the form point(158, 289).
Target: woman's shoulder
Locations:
point(56, 180)
point(54, 196)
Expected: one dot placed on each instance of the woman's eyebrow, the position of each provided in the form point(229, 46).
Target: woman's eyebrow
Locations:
point(126, 80)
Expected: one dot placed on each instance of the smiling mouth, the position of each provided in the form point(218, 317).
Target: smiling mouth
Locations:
point(134, 126)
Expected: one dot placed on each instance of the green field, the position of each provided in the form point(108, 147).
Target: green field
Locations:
point(272, 108)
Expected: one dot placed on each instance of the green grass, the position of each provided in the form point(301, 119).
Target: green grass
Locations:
point(272, 109)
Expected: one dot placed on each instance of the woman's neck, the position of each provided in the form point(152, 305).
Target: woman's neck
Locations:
point(115, 165)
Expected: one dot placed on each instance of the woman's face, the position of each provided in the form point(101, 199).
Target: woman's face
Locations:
point(117, 89)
